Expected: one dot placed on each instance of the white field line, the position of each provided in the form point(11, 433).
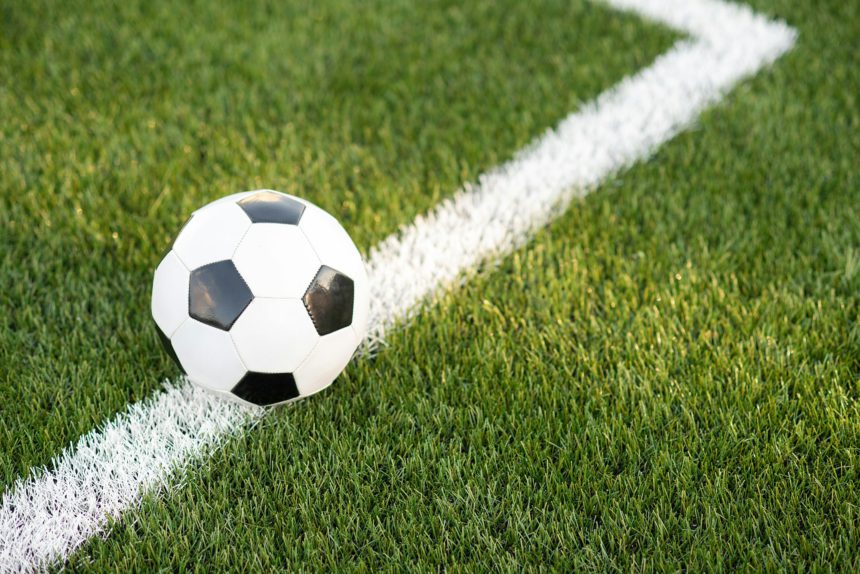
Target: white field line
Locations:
point(44, 518)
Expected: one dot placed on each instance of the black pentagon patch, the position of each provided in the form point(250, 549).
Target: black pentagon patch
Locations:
point(264, 389)
point(329, 300)
point(168, 346)
point(271, 207)
point(217, 294)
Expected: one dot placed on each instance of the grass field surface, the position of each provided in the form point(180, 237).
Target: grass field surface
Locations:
point(666, 377)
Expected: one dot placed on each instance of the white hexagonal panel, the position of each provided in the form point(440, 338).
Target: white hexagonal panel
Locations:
point(274, 335)
point(170, 294)
point(335, 248)
point(331, 242)
point(361, 304)
point(276, 261)
point(208, 356)
point(212, 234)
point(326, 361)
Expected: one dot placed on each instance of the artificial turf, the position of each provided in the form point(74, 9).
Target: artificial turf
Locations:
point(122, 119)
point(667, 378)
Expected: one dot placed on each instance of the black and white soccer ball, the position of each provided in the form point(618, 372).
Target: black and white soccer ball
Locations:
point(263, 297)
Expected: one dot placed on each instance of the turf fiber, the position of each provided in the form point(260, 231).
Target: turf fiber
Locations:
point(666, 378)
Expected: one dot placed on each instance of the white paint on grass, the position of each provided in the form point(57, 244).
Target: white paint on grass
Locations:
point(44, 518)
point(624, 125)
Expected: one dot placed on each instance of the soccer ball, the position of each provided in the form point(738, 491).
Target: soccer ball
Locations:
point(263, 297)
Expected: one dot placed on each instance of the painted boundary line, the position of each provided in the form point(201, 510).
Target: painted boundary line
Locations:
point(143, 450)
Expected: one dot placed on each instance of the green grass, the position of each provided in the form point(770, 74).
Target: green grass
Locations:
point(668, 377)
point(121, 120)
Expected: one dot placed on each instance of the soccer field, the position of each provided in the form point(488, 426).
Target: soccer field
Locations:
point(664, 377)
